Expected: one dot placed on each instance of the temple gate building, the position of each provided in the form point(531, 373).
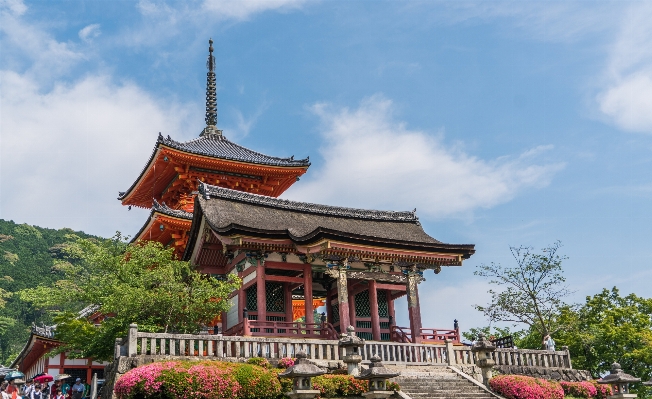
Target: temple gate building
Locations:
point(216, 204)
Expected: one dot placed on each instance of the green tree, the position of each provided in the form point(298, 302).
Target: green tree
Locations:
point(533, 290)
point(126, 283)
point(610, 328)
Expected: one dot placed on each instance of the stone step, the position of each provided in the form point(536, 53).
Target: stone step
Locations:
point(431, 388)
point(439, 394)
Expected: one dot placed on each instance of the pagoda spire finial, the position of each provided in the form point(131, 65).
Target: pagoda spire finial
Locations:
point(211, 95)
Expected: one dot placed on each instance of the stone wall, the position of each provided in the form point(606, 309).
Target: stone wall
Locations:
point(546, 373)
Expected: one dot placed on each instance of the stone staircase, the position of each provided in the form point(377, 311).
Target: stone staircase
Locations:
point(438, 383)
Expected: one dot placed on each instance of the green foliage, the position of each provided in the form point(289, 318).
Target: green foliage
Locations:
point(25, 262)
point(257, 382)
point(259, 361)
point(533, 290)
point(610, 328)
point(331, 385)
point(492, 332)
point(129, 283)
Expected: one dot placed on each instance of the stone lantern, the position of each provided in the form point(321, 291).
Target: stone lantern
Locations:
point(483, 349)
point(648, 383)
point(619, 382)
point(377, 375)
point(351, 344)
point(302, 373)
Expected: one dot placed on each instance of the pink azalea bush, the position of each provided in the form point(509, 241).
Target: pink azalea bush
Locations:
point(285, 362)
point(333, 385)
point(583, 389)
point(602, 390)
point(522, 387)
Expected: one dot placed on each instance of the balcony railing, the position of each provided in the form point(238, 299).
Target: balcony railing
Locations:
point(427, 335)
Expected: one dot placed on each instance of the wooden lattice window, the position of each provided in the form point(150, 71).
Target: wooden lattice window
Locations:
point(275, 297)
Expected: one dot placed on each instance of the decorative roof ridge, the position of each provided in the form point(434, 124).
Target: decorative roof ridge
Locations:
point(208, 191)
point(164, 209)
point(169, 141)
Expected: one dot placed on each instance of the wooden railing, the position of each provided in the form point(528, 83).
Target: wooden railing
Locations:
point(427, 335)
point(220, 346)
point(260, 328)
point(291, 329)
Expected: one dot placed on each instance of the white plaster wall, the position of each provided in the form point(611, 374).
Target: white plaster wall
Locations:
point(55, 360)
point(232, 314)
point(250, 277)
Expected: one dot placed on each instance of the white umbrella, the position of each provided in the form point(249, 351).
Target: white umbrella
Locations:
point(61, 377)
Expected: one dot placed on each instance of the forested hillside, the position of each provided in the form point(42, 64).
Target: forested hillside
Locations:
point(28, 256)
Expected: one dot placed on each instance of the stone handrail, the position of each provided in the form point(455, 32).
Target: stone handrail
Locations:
point(206, 345)
point(518, 357)
point(399, 352)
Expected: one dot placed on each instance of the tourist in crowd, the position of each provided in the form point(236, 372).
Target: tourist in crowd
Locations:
point(35, 392)
point(12, 389)
point(26, 392)
point(549, 343)
point(65, 388)
point(3, 390)
point(77, 389)
point(87, 389)
point(57, 394)
point(56, 386)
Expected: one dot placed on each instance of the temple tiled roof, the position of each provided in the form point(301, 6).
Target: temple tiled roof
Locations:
point(218, 146)
point(232, 212)
point(166, 210)
point(220, 192)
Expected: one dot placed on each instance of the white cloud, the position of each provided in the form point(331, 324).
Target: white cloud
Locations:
point(89, 32)
point(626, 94)
point(66, 149)
point(242, 10)
point(66, 153)
point(375, 161)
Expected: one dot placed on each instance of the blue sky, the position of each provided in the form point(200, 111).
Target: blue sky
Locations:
point(503, 123)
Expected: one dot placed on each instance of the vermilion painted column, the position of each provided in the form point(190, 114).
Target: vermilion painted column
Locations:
point(329, 305)
point(414, 310)
point(343, 300)
point(289, 316)
point(261, 298)
point(390, 306)
point(375, 317)
point(351, 309)
point(307, 293)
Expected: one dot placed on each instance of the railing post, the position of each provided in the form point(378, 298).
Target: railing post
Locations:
point(132, 340)
point(246, 331)
point(117, 352)
point(450, 351)
point(567, 356)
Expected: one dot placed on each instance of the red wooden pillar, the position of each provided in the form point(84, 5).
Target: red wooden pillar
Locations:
point(329, 305)
point(261, 298)
point(351, 309)
point(242, 303)
point(414, 310)
point(307, 293)
point(375, 317)
point(343, 301)
point(390, 307)
point(289, 316)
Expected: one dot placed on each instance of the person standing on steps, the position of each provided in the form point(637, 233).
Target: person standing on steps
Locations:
point(548, 343)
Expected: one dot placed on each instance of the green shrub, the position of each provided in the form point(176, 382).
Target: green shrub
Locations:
point(332, 385)
point(259, 361)
point(256, 382)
